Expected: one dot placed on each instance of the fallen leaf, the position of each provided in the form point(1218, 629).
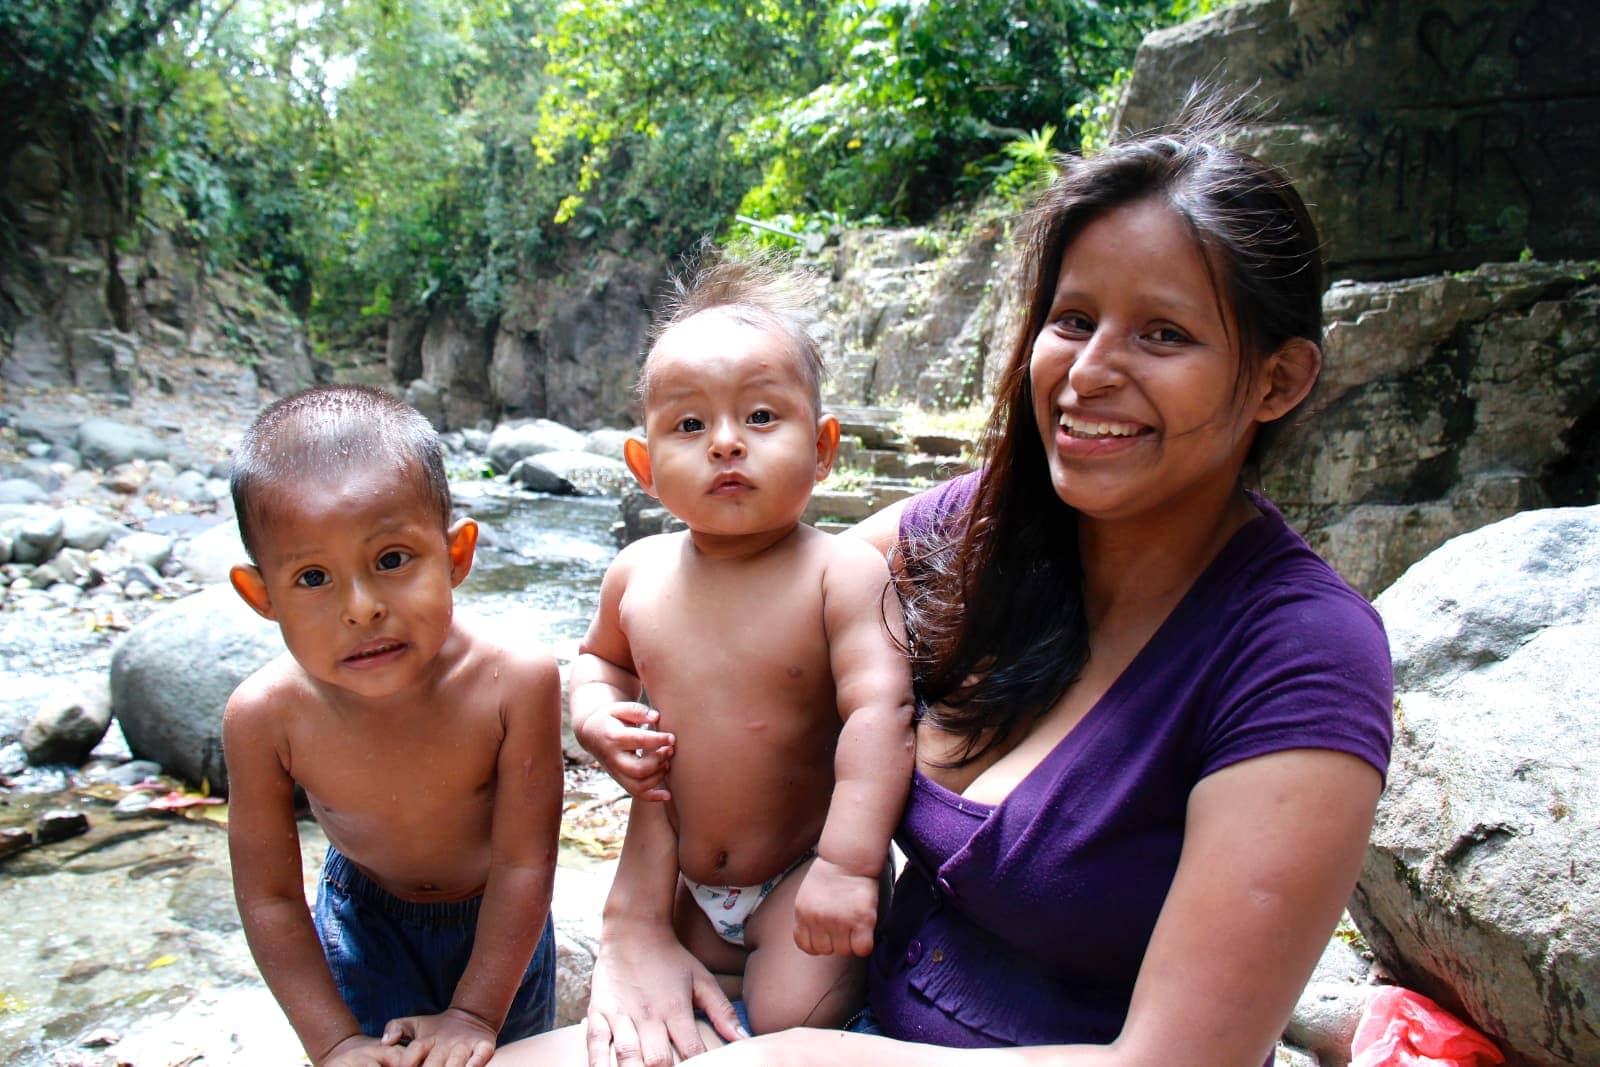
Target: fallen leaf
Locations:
point(162, 961)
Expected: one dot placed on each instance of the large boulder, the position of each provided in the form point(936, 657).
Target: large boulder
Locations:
point(1425, 137)
point(107, 443)
point(172, 674)
point(571, 473)
point(513, 441)
point(1481, 888)
point(1446, 403)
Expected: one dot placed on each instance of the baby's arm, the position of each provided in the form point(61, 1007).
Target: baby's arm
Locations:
point(264, 846)
point(837, 904)
point(522, 861)
point(606, 716)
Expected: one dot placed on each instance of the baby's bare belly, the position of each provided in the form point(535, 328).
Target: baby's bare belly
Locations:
point(744, 818)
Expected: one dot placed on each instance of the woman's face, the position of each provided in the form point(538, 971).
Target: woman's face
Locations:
point(1135, 374)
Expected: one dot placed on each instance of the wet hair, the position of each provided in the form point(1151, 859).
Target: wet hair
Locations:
point(312, 434)
point(759, 292)
point(994, 606)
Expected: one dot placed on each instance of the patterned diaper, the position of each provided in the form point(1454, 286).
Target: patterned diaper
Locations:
point(729, 907)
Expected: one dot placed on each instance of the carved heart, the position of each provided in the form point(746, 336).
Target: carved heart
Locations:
point(1455, 46)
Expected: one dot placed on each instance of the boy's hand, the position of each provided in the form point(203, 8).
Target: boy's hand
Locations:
point(359, 1050)
point(452, 1038)
point(638, 757)
point(834, 911)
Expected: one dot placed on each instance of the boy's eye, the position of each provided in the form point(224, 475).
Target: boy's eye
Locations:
point(690, 425)
point(760, 418)
point(392, 559)
point(312, 578)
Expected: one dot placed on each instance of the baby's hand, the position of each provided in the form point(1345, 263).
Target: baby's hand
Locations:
point(638, 757)
point(452, 1038)
point(835, 910)
point(359, 1050)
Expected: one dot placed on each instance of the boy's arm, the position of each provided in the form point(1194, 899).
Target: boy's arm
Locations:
point(516, 897)
point(837, 905)
point(264, 849)
point(607, 718)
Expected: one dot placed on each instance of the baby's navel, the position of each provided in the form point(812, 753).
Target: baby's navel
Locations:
point(722, 860)
point(429, 887)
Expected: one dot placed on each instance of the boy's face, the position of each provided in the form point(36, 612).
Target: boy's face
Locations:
point(358, 573)
point(733, 443)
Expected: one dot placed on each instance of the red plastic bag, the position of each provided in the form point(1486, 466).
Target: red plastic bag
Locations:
point(1400, 1028)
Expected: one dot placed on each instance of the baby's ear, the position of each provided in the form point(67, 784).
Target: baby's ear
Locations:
point(463, 541)
point(827, 445)
point(252, 589)
point(637, 455)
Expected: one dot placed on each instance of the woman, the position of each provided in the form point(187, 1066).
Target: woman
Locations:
point(1157, 724)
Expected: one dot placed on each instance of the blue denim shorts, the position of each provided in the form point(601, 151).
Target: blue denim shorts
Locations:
point(392, 958)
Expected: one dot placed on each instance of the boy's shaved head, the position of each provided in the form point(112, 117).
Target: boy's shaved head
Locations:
point(760, 293)
point(301, 439)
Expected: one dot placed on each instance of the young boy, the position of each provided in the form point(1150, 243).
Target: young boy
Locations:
point(755, 637)
point(429, 752)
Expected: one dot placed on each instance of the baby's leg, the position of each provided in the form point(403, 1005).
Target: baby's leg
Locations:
point(785, 986)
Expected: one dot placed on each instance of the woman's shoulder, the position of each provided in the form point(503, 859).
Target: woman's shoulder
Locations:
point(938, 510)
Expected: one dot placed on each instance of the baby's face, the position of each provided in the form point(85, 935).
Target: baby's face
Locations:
point(735, 443)
point(359, 574)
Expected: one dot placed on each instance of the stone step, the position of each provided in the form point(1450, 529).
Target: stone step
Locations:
point(875, 427)
point(886, 463)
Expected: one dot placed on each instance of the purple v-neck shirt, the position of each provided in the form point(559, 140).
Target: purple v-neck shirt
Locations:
point(1026, 923)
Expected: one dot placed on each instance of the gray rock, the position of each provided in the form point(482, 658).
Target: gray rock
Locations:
point(577, 944)
point(85, 528)
point(14, 839)
point(607, 442)
point(73, 565)
point(109, 444)
point(140, 546)
point(511, 442)
point(35, 533)
point(210, 555)
point(475, 440)
point(1481, 886)
point(13, 758)
point(60, 825)
point(172, 674)
point(5, 547)
point(133, 772)
point(580, 473)
point(22, 491)
point(1325, 1019)
point(191, 486)
point(68, 726)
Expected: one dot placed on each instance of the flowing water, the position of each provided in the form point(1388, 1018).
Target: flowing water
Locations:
point(123, 945)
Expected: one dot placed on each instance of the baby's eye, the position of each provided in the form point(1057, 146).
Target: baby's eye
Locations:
point(392, 559)
point(690, 425)
point(312, 578)
point(760, 418)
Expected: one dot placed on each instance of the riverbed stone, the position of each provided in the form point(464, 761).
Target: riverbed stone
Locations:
point(68, 726)
point(208, 556)
point(172, 674)
point(60, 825)
point(107, 444)
point(35, 533)
point(1481, 886)
point(580, 473)
point(85, 528)
point(512, 441)
point(22, 491)
point(140, 546)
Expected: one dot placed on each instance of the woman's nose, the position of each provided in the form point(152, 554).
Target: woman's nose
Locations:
point(1097, 365)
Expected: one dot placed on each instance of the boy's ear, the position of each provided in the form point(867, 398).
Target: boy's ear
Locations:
point(462, 538)
point(252, 589)
point(637, 455)
point(1288, 376)
point(827, 445)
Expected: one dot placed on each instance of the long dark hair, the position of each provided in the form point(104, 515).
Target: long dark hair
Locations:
point(994, 604)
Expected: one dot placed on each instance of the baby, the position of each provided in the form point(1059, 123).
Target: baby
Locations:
point(769, 651)
point(429, 752)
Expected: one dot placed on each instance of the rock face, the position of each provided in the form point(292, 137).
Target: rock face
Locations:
point(1446, 403)
point(1425, 137)
point(1481, 887)
point(172, 674)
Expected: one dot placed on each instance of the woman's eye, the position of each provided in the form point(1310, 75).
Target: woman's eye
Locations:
point(392, 559)
point(1075, 322)
point(312, 578)
point(690, 425)
point(1167, 335)
point(760, 418)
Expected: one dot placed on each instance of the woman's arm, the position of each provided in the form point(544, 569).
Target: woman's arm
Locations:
point(1272, 847)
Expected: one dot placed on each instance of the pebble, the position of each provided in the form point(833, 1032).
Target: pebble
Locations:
point(61, 825)
point(13, 840)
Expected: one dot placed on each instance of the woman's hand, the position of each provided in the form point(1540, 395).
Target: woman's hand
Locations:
point(645, 991)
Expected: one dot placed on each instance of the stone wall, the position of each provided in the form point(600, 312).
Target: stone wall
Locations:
point(1427, 136)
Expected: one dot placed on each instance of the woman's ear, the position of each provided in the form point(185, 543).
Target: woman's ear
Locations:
point(252, 589)
point(462, 538)
point(827, 445)
point(637, 455)
point(1287, 378)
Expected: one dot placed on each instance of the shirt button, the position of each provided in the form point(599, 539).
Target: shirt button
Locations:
point(913, 953)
